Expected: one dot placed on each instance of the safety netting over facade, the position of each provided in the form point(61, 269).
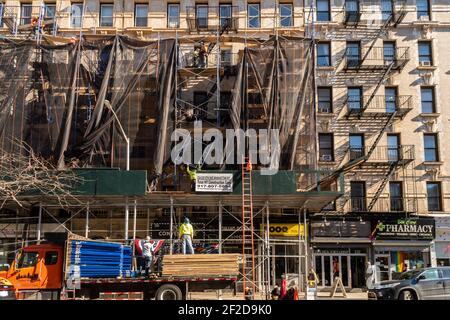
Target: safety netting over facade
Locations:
point(76, 103)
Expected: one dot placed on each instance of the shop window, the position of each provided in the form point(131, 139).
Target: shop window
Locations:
point(323, 10)
point(431, 147)
point(325, 100)
point(326, 147)
point(434, 196)
point(323, 54)
point(51, 257)
point(173, 15)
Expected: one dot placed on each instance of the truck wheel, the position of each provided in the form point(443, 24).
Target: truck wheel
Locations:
point(169, 292)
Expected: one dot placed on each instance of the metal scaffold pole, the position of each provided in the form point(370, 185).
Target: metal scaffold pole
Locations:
point(39, 226)
point(171, 225)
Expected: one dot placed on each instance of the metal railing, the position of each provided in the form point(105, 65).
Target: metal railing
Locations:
point(385, 204)
point(363, 10)
point(404, 153)
point(210, 18)
point(379, 104)
point(375, 57)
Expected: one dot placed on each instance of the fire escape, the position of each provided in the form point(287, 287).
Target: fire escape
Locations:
point(374, 110)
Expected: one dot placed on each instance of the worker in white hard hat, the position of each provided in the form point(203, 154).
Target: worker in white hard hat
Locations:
point(147, 253)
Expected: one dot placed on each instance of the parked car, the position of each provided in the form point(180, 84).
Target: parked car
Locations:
point(7, 291)
point(420, 284)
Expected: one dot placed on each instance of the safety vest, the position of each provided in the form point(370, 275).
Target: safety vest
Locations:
point(186, 228)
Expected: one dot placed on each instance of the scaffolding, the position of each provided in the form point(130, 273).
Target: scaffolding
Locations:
point(105, 90)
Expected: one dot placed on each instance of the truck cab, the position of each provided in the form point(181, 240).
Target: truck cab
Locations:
point(37, 267)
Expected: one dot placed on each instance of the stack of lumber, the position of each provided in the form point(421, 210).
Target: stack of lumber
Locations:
point(201, 265)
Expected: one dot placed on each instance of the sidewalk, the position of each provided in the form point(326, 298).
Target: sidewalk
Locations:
point(320, 295)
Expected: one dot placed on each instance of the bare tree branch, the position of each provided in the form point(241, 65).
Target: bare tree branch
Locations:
point(23, 173)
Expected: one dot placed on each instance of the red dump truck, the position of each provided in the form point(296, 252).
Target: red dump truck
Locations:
point(78, 268)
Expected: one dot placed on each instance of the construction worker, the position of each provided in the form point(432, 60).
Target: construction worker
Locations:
point(147, 253)
point(186, 235)
point(249, 166)
point(313, 279)
point(193, 175)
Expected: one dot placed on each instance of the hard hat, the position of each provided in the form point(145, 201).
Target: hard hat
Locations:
point(147, 238)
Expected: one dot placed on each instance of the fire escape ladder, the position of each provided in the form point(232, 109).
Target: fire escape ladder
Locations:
point(380, 189)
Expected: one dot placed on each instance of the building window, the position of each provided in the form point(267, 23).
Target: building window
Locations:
point(387, 9)
point(106, 15)
point(423, 9)
point(323, 54)
point(201, 105)
point(253, 15)
point(388, 52)
point(50, 11)
point(76, 15)
point(324, 99)
point(1, 14)
point(226, 16)
point(286, 15)
point(173, 15)
point(140, 15)
point(434, 196)
point(353, 54)
point(393, 147)
point(226, 57)
point(354, 98)
point(427, 100)
point(431, 147)
point(323, 10)
point(425, 55)
point(396, 196)
point(356, 145)
point(25, 13)
point(358, 195)
point(352, 10)
point(326, 147)
point(390, 99)
point(201, 14)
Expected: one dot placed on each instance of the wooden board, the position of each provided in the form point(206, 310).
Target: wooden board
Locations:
point(201, 265)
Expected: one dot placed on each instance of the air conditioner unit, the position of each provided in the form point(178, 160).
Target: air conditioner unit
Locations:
point(425, 63)
point(424, 18)
point(326, 157)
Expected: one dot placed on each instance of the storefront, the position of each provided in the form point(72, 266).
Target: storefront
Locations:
point(442, 241)
point(401, 244)
point(340, 248)
point(286, 250)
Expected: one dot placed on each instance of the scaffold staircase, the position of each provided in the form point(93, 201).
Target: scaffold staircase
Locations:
point(248, 253)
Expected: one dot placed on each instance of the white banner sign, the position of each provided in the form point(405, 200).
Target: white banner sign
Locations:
point(214, 182)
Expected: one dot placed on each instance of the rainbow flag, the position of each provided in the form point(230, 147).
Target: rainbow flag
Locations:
point(398, 258)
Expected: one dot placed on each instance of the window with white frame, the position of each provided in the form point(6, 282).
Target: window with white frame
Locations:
point(253, 10)
point(76, 15)
point(286, 15)
point(140, 15)
point(173, 15)
point(106, 15)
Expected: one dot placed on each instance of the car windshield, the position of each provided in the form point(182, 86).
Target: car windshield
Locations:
point(408, 275)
